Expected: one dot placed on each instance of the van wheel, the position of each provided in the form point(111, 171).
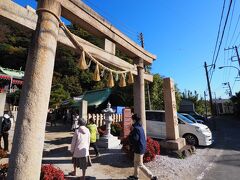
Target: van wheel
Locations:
point(191, 139)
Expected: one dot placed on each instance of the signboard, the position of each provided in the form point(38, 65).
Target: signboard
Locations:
point(127, 122)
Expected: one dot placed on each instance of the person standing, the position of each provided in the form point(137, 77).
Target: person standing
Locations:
point(138, 141)
point(5, 126)
point(80, 148)
point(93, 138)
point(75, 118)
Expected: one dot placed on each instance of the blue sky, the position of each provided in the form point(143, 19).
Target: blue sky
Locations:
point(182, 33)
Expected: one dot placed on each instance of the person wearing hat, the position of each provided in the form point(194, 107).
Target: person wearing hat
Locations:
point(138, 141)
point(80, 148)
point(5, 125)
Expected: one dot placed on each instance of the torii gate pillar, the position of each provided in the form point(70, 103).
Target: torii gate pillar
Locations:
point(139, 94)
point(26, 155)
point(173, 141)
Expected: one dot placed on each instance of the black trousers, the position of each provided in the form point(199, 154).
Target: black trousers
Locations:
point(95, 148)
point(5, 140)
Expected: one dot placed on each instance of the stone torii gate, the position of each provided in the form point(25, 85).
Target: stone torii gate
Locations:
point(26, 155)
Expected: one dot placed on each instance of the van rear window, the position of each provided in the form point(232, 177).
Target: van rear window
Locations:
point(155, 116)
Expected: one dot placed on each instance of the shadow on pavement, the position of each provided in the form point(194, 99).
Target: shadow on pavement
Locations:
point(58, 152)
point(60, 127)
point(77, 178)
point(225, 130)
point(59, 141)
point(88, 178)
point(114, 158)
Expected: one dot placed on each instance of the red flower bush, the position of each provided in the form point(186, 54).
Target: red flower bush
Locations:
point(49, 172)
point(101, 130)
point(3, 170)
point(116, 129)
point(3, 154)
point(152, 149)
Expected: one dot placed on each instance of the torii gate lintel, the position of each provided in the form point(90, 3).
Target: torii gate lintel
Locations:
point(26, 155)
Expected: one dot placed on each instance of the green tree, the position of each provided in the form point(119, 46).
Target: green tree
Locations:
point(58, 94)
point(156, 93)
point(199, 103)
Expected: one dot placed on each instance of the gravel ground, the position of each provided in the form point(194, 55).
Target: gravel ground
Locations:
point(169, 168)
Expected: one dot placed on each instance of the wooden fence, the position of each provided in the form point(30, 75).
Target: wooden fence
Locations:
point(99, 118)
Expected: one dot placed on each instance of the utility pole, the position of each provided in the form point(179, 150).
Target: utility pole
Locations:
point(205, 99)
point(236, 50)
point(209, 89)
point(147, 83)
point(141, 39)
point(229, 87)
point(216, 105)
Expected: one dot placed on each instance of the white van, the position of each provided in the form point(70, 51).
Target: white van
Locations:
point(194, 133)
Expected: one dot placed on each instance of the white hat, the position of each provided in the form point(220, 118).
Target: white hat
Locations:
point(6, 116)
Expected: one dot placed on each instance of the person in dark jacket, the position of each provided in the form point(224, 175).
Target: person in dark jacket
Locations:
point(4, 128)
point(138, 141)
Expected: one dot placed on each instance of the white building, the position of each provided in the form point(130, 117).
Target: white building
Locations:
point(223, 106)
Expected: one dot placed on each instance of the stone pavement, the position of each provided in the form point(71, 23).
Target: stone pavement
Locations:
point(112, 164)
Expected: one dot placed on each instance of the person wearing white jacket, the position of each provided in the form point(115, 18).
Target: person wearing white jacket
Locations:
point(80, 148)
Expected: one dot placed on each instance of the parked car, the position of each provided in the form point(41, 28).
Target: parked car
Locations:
point(194, 133)
point(195, 115)
point(192, 118)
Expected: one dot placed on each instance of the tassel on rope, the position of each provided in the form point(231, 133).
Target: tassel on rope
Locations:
point(110, 83)
point(82, 62)
point(96, 76)
point(122, 82)
point(130, 78)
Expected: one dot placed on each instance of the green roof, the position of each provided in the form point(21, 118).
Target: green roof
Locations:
point(94, 98)
point(18, 74)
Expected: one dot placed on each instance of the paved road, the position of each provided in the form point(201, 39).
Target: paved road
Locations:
point(226, 165)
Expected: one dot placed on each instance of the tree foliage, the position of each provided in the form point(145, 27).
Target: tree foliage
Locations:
point(199, 102)
point(156, 93)
point(58, 94)
point(236, 103)
point(68, 80)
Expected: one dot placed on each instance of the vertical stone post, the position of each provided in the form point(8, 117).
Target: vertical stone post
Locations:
point(170, 109)
point(83, 109)
point(139, 94)
point(173, 141)
point(26, 155)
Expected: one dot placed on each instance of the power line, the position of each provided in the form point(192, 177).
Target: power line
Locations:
point(219, 27)
point(211, 70)
point(220, 43)
point(237, 38)
point(229, 8)
point(228, 63)
point(229, 71)
point(230, 22)
point(225, 61)
point(234, 83)
point(235, 30)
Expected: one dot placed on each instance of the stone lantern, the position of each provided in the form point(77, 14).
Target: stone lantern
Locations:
point(108, 140)
point(108, 119)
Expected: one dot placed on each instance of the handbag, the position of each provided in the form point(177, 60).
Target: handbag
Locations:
point(89, 161)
